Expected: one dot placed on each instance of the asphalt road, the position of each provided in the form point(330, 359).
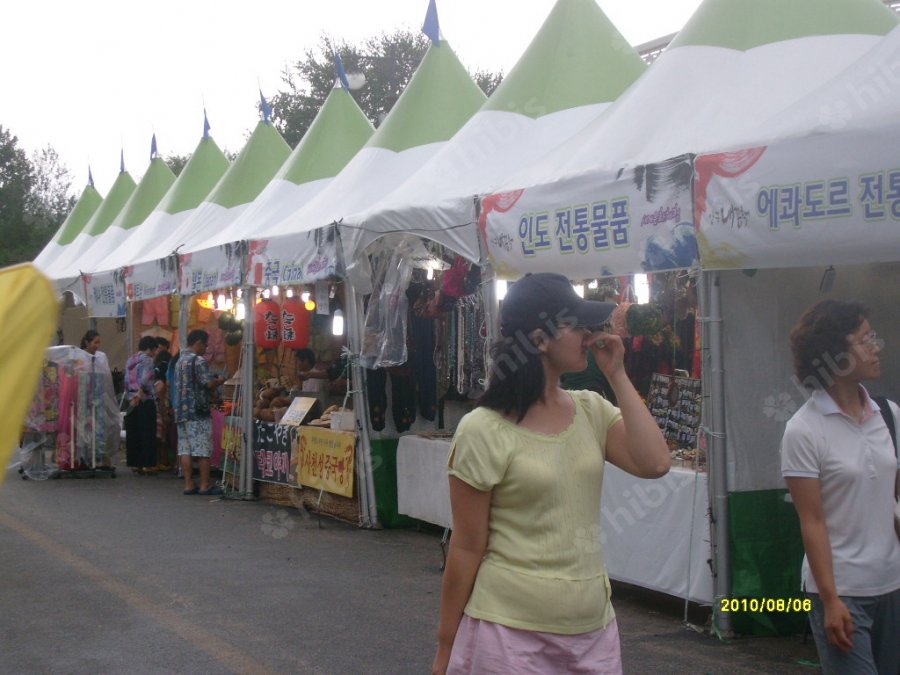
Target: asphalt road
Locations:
point(127, 575)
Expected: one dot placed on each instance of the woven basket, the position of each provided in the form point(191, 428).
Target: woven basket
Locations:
point(335, 506)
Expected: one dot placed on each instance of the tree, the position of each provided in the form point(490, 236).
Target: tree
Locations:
point(387, 62)
point(50, 194)
point(34, 199)
point(177, 162)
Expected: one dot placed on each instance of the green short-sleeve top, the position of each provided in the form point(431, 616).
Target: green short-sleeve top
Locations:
point(544, 567)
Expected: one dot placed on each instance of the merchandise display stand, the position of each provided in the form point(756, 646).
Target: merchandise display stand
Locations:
point(73, 427)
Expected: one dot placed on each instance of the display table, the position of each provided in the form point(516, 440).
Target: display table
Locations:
point(655, 532)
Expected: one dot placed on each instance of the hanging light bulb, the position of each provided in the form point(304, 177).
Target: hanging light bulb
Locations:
point(240, 293)
point(266, 294)
point(289, 293)
point(429, 273)
point(241, 311)
point(642, 289)
point(337, 323)
point(310, 305)
point(229, 304)
point(304, 296)
point(500, 288)
point(275, 290)
point(220, 302)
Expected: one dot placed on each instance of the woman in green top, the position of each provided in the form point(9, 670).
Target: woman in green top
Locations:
point(525, 588)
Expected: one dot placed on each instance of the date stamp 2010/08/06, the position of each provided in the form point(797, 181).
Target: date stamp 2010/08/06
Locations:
point(755, 605)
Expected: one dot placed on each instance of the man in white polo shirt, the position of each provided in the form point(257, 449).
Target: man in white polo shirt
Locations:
point(840, 466)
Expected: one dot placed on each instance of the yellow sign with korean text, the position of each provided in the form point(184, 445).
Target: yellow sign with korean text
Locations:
point(326, 459)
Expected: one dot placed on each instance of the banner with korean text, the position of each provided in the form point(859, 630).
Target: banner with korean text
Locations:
point(293, 259)
point(211, 269)
point(819, 200)
point(326, 460)
point(595, 225)
point(105, 294)
point(152, 279)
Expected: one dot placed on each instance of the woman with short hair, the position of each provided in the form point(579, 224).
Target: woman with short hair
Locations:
point(840, 466)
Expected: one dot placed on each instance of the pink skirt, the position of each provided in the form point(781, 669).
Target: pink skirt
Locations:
point(488, 648)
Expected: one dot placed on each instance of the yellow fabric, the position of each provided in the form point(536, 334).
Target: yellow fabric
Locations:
point(29, 312)
point(544, 567)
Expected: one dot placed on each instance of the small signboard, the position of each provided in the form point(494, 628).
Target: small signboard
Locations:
point(326, 460)
point(300, 409)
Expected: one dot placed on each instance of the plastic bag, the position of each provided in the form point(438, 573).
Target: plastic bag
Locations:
point(384, 335)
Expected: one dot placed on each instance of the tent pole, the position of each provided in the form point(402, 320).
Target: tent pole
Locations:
point(714, 377)
point(245, 485)
point(365, 473)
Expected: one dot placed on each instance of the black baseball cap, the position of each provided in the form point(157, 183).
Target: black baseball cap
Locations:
point(545, 299)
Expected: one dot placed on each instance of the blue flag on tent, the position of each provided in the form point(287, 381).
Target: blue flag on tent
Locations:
point(266, 109)
point(90, 176)
point(206, 126)
point(431, 27)
point(154, 151)
point(122, 161)
point(342, 74)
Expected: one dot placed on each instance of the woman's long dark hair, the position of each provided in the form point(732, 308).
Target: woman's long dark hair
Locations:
point(516, 380)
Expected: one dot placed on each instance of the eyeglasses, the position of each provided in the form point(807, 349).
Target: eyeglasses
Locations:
point(871, 342)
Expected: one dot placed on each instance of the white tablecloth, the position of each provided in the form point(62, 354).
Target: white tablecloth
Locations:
point(655, 532)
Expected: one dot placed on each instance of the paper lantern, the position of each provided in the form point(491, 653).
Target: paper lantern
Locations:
point(295, 321)
point(267, 327)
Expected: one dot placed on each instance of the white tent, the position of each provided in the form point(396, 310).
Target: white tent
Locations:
point(336, 134)
point(574, 67)
point(438, 100)
point(734, 66)
point(206, 165)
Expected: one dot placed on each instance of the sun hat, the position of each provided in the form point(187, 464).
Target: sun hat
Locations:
point(546, 300)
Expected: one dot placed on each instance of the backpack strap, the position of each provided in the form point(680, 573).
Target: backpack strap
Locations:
point(888, 416)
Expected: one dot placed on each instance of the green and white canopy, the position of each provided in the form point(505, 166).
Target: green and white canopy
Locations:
point(264, 153)
point(78, 217)
point(337, 133)
point(576, 65)
point(67, 266)
point(156, 182)
point(825, 191)
point(199, 176)
point(439, 99)
point(616, 199)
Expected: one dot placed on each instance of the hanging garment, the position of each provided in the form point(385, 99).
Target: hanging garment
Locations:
point(376, 381)
point(421, 361)
point(403, 398)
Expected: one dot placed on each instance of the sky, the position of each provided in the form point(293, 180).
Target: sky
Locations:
point(91, 79)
